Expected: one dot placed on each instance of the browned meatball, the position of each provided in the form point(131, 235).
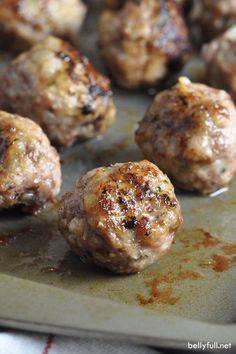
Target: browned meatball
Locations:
point(30, 173)
point(23, 23)
point(220, 58)
point(190, 132)
point(59, 89)
point(143, 42)
point(122, 217)
point(210, 18)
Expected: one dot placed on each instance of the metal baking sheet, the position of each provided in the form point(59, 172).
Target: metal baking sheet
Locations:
point(188, 296)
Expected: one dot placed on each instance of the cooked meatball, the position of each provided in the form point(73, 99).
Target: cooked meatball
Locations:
point(24, 23)
point(220, 58)
point(210, 18)
point(122, 217)
point(59, 89)
point(143, 42)
point(190, 132)
point(30, 173)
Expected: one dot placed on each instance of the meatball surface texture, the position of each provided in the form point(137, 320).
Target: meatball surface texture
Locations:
point(143, 42)
point(210, 18)
point(24, 23)
point(189, 131)
point(58, 88)
point(220, 58)
point(122, 217)
point(30, 173)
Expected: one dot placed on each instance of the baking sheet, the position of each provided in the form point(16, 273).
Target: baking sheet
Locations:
point(189, 295)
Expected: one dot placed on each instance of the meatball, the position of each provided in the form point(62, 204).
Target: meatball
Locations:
point(30, 173)
point(59, 89)
point(143, 42)
point(122, 217)
point(209, 18)
point(23, 23)
point(190, 132)
point(220, 58)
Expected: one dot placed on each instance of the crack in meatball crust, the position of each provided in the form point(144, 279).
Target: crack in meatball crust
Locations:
point(143, 42)
point(24, 23)
point(121, 217)
point(189, 131)
point(30, 173)
point(58, 88)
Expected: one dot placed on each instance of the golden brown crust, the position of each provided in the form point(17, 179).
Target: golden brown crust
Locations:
point(24, 23)
point(190, 132)
point(59, 89)
point(121, 217)
point(142, 41)
point(30, 172)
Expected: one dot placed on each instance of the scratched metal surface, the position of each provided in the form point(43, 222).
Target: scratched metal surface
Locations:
point(44, 286)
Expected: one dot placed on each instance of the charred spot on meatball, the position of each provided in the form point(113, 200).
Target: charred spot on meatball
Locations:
point(30, 173)
point(87, 108)
point(122, 217)
point(190, 132)
point(58, 88)
point(131, 223)
point(24, 23)
point(142, 42)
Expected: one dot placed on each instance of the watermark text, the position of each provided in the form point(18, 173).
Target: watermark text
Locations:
point(208, 345)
